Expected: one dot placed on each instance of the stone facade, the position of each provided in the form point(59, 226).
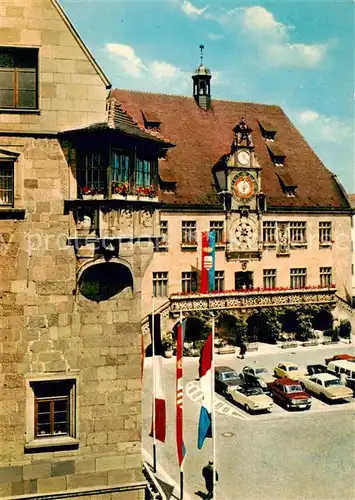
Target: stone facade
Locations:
point(51, 335)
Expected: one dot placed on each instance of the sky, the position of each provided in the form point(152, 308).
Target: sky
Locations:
point(295, 54)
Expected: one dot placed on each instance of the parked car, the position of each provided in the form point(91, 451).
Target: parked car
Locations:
point(315, 369)
point(287, 369)
point(326, 386)
point(339, 357)
point(345, 371)
point(224, 377)
point(290, 394)
point(251, 398)
point(258, 376)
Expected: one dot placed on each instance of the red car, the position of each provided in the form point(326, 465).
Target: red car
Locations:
point(290, 394)
point(338, 357)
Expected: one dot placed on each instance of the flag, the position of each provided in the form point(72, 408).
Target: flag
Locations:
point(159, 422)
point(208, 261)
point(159, 400)
point(205, 422)
point(181, 451)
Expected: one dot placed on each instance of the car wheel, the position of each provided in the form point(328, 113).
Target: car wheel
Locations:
point(246, 408)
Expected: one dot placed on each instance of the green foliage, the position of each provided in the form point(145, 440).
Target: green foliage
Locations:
point(304, 326)
point(231, 330)
point(167, 343)
point(345, 329)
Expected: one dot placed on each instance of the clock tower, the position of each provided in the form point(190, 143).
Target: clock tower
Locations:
point(243, 186)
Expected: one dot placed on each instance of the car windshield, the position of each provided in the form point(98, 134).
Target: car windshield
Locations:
point(329, 383)
point(293, 388)
point(254, 391)
point(292, 368)
point(229, 375)
point(261, 370)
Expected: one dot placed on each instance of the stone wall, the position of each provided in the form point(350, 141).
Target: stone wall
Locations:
point(47, 329)
point(71, 92)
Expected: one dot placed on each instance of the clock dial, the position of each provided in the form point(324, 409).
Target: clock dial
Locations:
point(243, 157)
point(244, 186)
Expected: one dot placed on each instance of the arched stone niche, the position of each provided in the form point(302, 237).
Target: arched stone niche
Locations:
point(102, 280)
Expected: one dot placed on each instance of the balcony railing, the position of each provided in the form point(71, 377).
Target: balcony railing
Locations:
point(252, 298)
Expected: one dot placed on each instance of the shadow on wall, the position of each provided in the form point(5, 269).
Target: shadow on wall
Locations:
point(104, 280)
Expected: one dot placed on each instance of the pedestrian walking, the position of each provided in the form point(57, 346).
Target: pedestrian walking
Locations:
point(243, 350)
point(207, 473)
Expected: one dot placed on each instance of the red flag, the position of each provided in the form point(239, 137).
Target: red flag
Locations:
point(159, 422)
point(179, 394)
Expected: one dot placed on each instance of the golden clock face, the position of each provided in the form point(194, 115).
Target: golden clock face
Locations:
point(244, 186)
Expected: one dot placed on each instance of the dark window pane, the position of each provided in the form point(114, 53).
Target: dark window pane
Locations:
point(60, 405)
point(26, 99)
point(7, 80)
point(43, 429)
point(25, 58)
point(6, 59)
point(6, 98)
point(43, 406)
point(26, 80)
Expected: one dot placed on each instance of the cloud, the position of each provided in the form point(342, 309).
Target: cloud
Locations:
point(261, 20)
point(297, 54)
point(323, 128)
point(190, 10)
point(127, 59)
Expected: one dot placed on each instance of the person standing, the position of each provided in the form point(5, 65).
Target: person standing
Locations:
point(243, 350)
point(207, 473)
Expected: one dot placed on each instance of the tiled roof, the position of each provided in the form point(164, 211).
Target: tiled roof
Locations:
point(276, 149)
point(118, 119)
point(202, 138)
point(352, 200)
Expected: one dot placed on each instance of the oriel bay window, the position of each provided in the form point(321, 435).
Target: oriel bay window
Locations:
point(125, 172)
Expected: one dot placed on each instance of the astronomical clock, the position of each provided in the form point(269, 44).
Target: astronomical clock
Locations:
point(243, 184)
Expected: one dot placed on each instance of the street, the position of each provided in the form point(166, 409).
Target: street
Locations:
point(282, 455)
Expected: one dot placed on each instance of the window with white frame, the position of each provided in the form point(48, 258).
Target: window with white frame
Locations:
point(218, 227)
point(325, 276)
point(298, 233)
point(298, 277)
point(52, 411)
point(163, 243)
point(269, 278)
point(219, 281)
point(160, 284)
point(325, 232)
point(269, 232)
point(189, 235)
point(188, 281)
point(6, 183)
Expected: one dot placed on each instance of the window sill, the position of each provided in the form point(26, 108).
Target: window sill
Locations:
point(163, 248)
point(298, 245)
point(186, 246)
point(21, 111)
point(325, 244)
point(269, 245)
point(53, 442)
point(7, 212)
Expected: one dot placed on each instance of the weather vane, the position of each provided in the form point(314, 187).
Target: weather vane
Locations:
point(201, 52)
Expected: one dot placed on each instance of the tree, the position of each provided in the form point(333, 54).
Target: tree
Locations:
point(345, 329)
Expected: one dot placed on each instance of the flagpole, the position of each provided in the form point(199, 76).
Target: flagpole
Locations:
point(213, 412)
point(153, 373)
point(182, 423)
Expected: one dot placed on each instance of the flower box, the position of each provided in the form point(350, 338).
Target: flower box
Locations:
point(93, 196)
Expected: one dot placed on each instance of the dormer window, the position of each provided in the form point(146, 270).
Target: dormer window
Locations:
point(288, 184)
point(151, 120)
point(267, 130)
point(277, 155)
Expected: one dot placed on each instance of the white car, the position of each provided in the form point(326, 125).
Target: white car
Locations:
point(250, 398)
point(327, 386)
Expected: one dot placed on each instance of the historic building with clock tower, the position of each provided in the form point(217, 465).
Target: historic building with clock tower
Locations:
point(281, 219)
